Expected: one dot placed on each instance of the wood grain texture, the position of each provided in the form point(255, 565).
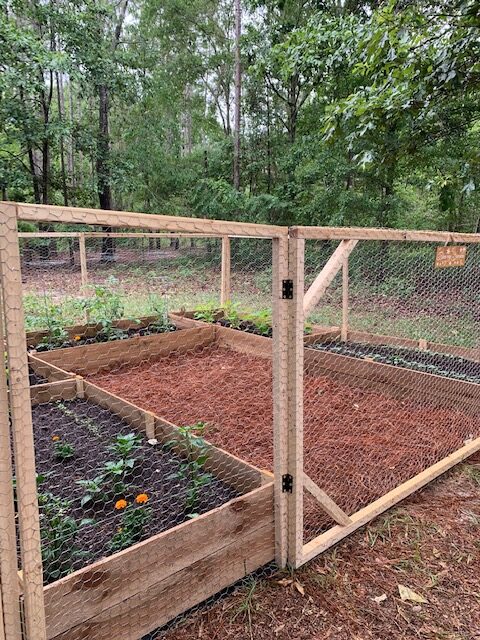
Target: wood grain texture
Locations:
point(366, 233)
point(327, 274)
point(154, 222)
point(139, 589)
point(21, 421)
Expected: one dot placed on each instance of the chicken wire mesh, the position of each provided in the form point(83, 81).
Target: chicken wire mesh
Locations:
point(391, 370)
point(149, 380)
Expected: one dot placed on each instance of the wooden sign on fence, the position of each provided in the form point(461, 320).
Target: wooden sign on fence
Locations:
point(453, 256)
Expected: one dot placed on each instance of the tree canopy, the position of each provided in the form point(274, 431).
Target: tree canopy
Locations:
point(355, 113)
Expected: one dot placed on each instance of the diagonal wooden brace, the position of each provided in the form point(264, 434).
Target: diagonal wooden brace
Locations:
point(327, 274)
point(328, 505)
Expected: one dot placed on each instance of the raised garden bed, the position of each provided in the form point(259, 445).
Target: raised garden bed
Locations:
point(441, 364)
point(173, 561)
point(259, 324)
point(368, 427)
point(94, 333)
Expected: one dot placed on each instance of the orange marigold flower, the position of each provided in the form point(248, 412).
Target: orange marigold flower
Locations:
point(141, 498)
point(121, 504)
point(55, 438)
point(77, 338)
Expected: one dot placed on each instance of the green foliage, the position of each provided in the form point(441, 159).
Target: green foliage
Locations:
point(58, 531)
point(125, 445)
point(195, 454)
point(63, 450)
point(104, 307)
point(132, 524)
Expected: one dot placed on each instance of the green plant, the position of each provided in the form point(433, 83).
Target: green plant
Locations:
point(195, 451)
point(262, 320)
point(63, 450)
point(131, 527)
point(206, 313)
point(86, 422)
point(160, 309)
point(104, 307)
point(124, 445)
point(115, 473)
point(58, 531)
point(51, 318)
point(94, 490)
point(230, 313)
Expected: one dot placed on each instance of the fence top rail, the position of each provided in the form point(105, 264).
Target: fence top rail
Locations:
point(154, 222)
point(365, 233)
point(99, 234)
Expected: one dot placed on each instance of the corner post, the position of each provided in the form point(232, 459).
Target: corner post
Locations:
point(226, 271)
point(21, 421)
point(295, 401)
point(83, 259)
point(280, 408)
point(345, 278)
point(9, 587)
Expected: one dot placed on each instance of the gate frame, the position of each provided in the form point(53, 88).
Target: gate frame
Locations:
point(298, 551)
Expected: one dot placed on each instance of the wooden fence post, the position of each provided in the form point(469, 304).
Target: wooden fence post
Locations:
point(9, 587)
point(280, 407)
point(295, 401)
point(226, 271)
point(83, 259)
point(21, 420)
point(344, 330)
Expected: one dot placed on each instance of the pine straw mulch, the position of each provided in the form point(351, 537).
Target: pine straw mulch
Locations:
point(430, 544)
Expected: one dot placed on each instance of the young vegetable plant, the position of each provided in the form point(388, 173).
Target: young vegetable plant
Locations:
point(206, 313)
point(115, 473)
point(58, 531)
point(63, 450)
point(94, 490)
point(125, 445)
point(195, 450)
point(104, 307)
point(133, 521)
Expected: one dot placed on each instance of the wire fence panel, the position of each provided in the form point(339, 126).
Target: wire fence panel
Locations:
point(186, 403)
point(391, 376)
point(152, 424)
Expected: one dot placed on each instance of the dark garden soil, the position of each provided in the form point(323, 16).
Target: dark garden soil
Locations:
point(247, 326)
point(90, 430)
point(35, 379)
point(105, 336)
point(358, 443)
point(429, 362)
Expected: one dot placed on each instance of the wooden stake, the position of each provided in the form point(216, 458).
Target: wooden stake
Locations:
point(344, 330)
point(9, 591)
point(226, 271)
point(327, 274)
point(21, 419)
point(280, 381)
point(83, 259)
point(295, 402)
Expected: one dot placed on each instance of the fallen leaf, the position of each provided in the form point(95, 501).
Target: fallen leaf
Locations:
point(285, 582)
point(407, 594)
point(299, 587)
point(379, 599)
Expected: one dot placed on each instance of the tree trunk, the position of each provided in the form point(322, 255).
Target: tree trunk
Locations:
point(238, 96)
point(60, 104)
point(103, 170)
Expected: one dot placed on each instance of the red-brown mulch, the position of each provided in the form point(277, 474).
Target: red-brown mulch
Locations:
point(358, 444)
point(429, 544)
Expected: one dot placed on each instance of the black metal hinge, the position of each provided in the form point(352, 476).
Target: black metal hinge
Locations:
point(287, 483)
point(287, 289)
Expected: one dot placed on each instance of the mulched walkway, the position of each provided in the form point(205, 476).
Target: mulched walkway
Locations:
point(358, 444)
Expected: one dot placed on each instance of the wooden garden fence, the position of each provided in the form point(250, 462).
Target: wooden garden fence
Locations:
point(330, 467)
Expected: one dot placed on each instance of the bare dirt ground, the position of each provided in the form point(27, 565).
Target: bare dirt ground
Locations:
point(429, 544)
